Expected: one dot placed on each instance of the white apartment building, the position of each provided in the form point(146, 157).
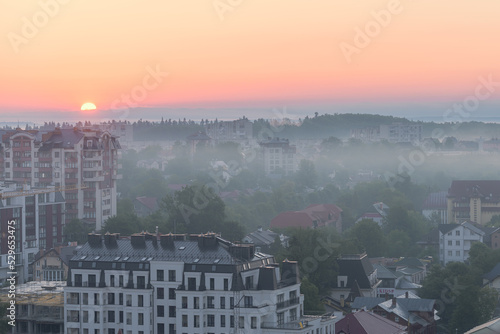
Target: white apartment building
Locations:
point(222, 131)
point(183, 284)
point(455, 241)
point(401, 133)
point(279, 156)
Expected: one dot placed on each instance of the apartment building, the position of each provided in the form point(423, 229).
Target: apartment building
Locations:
point(474, 200)
point(84, 160)
point(455, 240)
point(223, 131)
point(37, 217)
point(401, 133)
point(183, 284)
point(279, 156)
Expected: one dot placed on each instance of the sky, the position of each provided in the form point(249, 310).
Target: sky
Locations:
point(195, 57)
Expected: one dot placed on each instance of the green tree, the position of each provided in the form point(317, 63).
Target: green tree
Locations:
point(76, 230)
point(306, 175)
point(370, 236)
point(312, 302)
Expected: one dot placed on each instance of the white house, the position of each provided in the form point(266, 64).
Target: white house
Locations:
point(455, 241)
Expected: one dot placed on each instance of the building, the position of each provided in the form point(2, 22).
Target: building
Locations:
point(314, 216)
point(394, 283)
point(368, 323)
point(401, 133)
point(52, 265)
point(183, 284)
point(492, 279)
point(418, 314)
point(145, 206)
point(37, 223)
point(356, 278)
point(67, 158)
point(263, 239)
point(477, 201)
point(223, 131)
point(377, 213)
point(455, 240)
point(39, 307)
point(435, 205)
point(490, 327)
point(278, 156)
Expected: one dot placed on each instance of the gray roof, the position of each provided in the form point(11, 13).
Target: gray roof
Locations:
point(494, 273)
point(383, 272)
point(366, 302)
point(264, 237)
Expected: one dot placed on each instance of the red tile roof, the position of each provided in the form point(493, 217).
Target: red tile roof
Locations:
point(322, 214)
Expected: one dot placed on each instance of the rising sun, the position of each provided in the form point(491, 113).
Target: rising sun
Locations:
point(88, 106)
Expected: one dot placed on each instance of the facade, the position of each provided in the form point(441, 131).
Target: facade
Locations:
point(455, 241)
point(279, 156)
point(401, 133)
point(393, 284)
point(38, 222)
point(223, 131)
point(477, 201)
point(83, 159)
point(182, 284)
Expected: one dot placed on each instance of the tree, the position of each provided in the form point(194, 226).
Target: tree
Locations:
point(370, 236)
point(312, 303)
point(76, 230)
point(4, 321)
point(306, 175)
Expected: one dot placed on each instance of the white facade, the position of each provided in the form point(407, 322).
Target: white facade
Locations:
point(279, 156)
point(455, 243)
point(208, 290)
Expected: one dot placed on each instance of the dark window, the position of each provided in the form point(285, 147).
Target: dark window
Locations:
point(161, 310)
point(140, 301)
point(210, 302)
point(111, 316)
point(141, 282)
point(112, 280)
point(226, 284)
point(171, 275)
point(161, 329)
point(212, 284)
point(223, 321)
point(171, 311)
point(248, 301)
point(120, 296)
point(120, 280)
point(160, 293)
point(184, 302)
point(171, 293)
point(231, 302)
point(92, 281)
point(222, 302)
point(121, 317)
point(78, 280)
point(192, 284)
point(111, 298)
point(211, 320)
point(159, 275)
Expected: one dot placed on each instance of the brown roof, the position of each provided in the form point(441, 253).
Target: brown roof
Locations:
point(470, 188)
point(322, 214)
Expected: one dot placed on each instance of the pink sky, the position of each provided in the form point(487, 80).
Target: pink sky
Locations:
point(280, 50)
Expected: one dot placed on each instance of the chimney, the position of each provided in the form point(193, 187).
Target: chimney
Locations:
point(406, 294)
point(394, 302)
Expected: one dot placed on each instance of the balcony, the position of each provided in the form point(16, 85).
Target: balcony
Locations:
point(287, 303)
point(72, 301)
point(73, 318)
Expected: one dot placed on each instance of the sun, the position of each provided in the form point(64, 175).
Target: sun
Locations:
point(88, 106)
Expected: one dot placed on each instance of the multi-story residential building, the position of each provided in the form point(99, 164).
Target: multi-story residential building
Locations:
point(183, 284)
point(401, 133)
point(37, 217)
point(278, 156)
point(477, 201)
point(455, 240)
point(223, 131)
point(83, 159)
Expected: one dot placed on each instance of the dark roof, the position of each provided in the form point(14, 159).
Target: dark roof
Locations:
point(435, 201)
point(62, 138)
point(66, 253)
point(383, 272)
point(149, 202)
point(494, 273)
point(366, 322)
point(409, 262)
point(366, 302)
point(357, 268)
point(445, 228)
point(262, 237)
point(470, 188)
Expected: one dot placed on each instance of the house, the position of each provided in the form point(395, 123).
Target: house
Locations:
point(377, 213)
point(263, 239)
point(418, 314)
point(489, 327)
point(494, 238)
point(183, 283)
point(455, 240)
point(315, 215)
point(356, 278)
point(492, 279)
point(51, 265)
point(145, 206)
point(393, 284)
point(368, 323)
point(473, 200)
point(413, 269)
point(435, 204)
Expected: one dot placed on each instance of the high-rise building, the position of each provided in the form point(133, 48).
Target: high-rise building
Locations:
point(183, 284)
point(278, 156)
point(83, 159)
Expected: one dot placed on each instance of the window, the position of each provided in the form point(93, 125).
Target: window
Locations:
point(457, 232)
point(120, 280)
point(112, 280)
point(212, 284)
point(226, 284)
point(184, 302)
point(191, 284)
point(210, 302)
point(450, 253)
point(457, 253)
point(293, 314)
point(223, 321)
point(160, 293)
point(396, 319)
point(231, 321)
point(171, 275)
point(160, 310)
point(184, 320)
point(141, 282)
point(249, 282)
point(450, 243)
point(111, 316)
point(196, 319)
point(141, 318)
point(140, 300)
point(248, 301)
point(222, 302)
point(159, 275)
point(231, 302)
point(281, 318)
point(111, 298)
point(196, 302)
point(253, 322)
point(97, 317)
point(457, 243)
point(92, 281)
point(171, 293)
point(211, 320)
point(241, 322)
point(161, 329)
point(171, 311)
